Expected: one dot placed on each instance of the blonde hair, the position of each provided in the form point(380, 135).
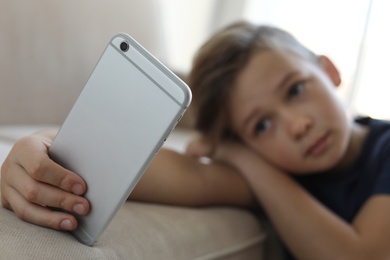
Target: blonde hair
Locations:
point(220, 60)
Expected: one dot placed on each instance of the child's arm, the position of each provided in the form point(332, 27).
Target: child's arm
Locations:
point(173, 178)
point(31, 180)
point(309, 229)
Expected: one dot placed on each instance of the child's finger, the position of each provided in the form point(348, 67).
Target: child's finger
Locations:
point(45, 194)
point(31, 154)
point(37, 214)
point(47, 171)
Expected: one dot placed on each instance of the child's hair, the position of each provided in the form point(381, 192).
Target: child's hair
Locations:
point(220, 60)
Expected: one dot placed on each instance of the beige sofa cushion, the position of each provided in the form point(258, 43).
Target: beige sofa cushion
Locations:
point(143, 231)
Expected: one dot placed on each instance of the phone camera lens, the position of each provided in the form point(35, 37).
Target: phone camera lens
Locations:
point(124, 46)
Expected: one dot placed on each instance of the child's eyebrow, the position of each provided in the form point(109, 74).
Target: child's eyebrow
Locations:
point(248, 118)
point(286, 79)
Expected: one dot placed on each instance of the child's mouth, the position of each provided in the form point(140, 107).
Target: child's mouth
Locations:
point(319, 146)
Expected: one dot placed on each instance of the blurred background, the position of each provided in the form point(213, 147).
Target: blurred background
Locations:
point(353, 33)
point(48, 48)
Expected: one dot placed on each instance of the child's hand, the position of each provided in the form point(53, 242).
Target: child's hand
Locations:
point(241, 157)
point(226, 152)
point(30, 181)
point(198, 147)
point(229, 150)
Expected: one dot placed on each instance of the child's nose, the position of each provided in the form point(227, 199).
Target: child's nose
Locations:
point(300, 126)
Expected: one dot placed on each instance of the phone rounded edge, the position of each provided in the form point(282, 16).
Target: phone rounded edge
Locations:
point(187, 97)
point(187, 94)
point(83, 237)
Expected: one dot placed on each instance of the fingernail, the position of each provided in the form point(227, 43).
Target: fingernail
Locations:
point(66, 224)
point(77, 189)
point(79, 209)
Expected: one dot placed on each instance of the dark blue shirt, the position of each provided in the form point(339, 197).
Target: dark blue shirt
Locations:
point(345, 192)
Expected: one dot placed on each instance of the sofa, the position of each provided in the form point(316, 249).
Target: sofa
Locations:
point(47, 51)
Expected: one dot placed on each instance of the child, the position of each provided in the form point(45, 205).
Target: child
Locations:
point(267, 107)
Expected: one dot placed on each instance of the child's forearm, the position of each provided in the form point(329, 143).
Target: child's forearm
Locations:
point(173, 178)
point(176, 179)
point(309, 229)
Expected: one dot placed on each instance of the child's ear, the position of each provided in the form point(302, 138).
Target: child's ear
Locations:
point(330, 69)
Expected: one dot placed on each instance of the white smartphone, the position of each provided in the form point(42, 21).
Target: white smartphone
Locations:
point(125, 112)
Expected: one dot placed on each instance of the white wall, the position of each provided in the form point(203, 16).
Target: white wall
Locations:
point(186, 25)
point(373, 84)
point(332, 27)
point(189, 23)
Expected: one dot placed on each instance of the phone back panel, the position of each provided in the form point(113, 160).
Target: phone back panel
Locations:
point(123, 115)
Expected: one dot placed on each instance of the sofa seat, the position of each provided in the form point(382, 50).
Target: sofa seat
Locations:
point(140, 230)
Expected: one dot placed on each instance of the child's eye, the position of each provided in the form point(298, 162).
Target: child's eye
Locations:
point(262, 126)
point(295, 89)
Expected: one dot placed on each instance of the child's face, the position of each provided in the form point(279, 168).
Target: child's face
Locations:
point(285, 108)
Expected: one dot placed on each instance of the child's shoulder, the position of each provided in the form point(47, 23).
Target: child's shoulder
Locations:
point(377, 142)
point(377, 128)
